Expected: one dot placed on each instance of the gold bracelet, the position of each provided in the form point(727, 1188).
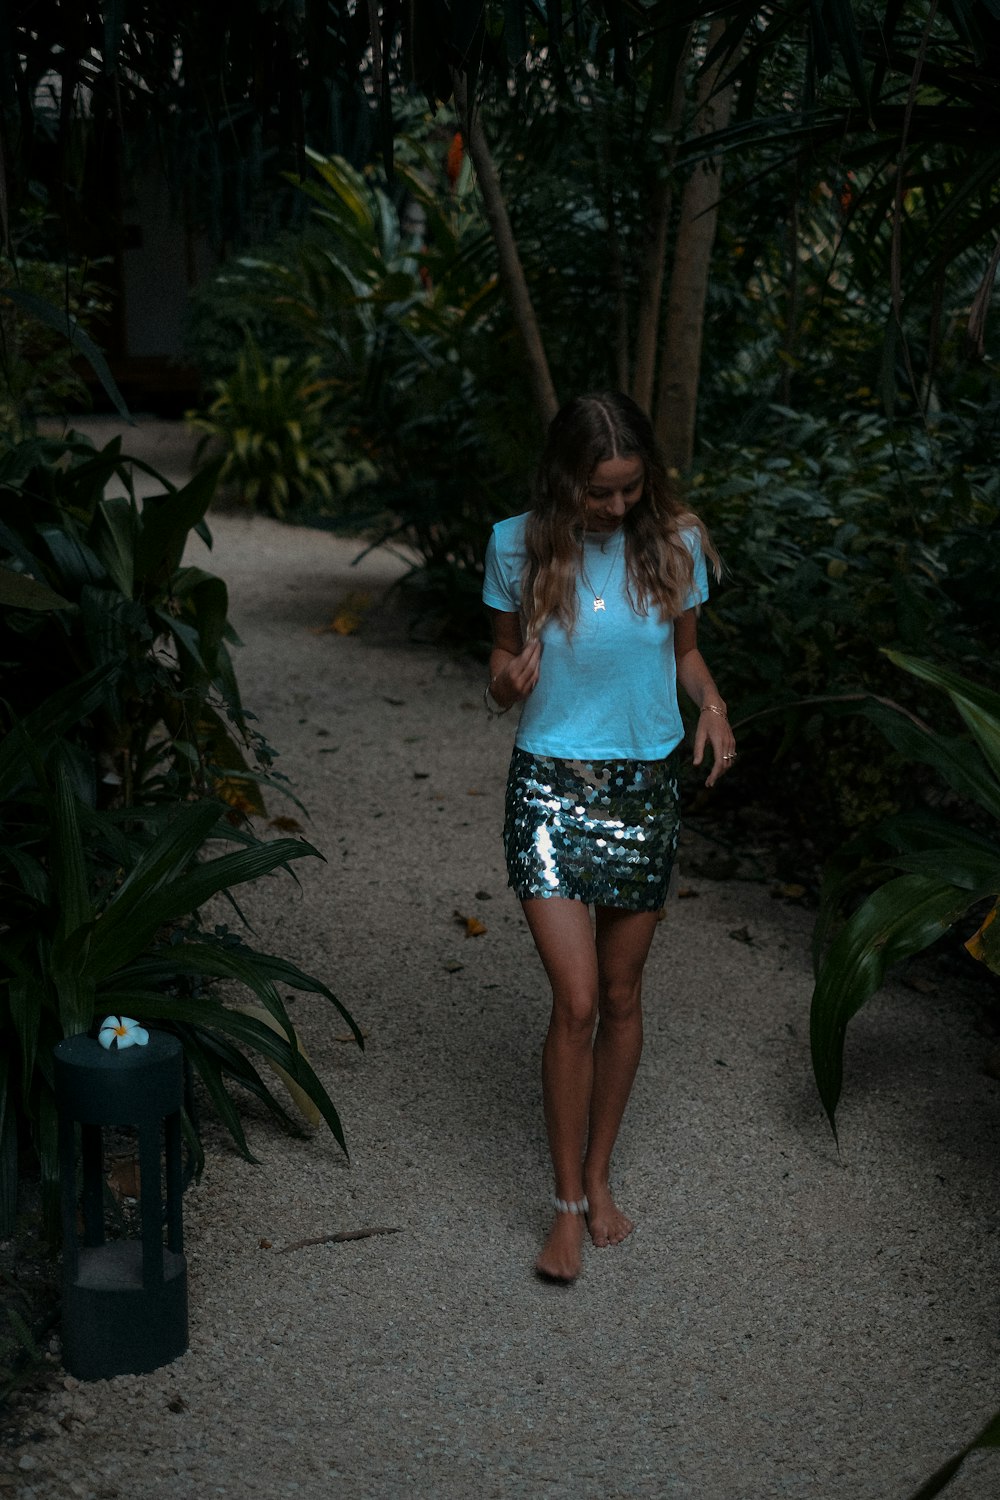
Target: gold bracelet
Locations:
point(713, 708)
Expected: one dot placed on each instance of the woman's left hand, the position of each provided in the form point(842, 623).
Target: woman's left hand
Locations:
point(714, 730)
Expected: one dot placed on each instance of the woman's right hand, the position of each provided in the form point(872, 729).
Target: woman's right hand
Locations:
point(514, 677)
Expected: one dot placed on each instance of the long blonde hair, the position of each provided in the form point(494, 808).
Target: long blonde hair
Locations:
point(660, 570)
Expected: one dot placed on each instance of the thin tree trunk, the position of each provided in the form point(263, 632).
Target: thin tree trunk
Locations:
point(616, 266)
point(681, 358)
point(654, 258)
point(789, 344)
point(512, 277)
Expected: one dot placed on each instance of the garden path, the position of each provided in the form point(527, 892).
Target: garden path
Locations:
point(783, 1323)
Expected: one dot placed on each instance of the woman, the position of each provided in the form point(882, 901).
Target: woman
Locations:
point(593, 597)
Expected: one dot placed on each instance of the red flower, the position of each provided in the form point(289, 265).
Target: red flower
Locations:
point(456, 153)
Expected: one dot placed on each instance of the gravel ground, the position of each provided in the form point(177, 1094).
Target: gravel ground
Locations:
point(784, 1321)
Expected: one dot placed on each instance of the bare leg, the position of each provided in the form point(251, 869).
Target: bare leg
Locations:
point(565, 941)
point(623, 941)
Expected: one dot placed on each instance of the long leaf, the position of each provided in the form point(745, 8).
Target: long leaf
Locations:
point(210, 961)
point(902, 918)
point(130, 923)
point(988, 1438)
point(210, 1072)
point(49, 722)
point(252, 1033)
point(235, 1065)
point(167, 519)
point(69, 868)
point(18, 591)
point(957, 761)
point(62, 321)
point(309, 1111)
point(979, 706)
point(114, 540)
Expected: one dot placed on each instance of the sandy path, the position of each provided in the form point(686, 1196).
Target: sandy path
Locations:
point(782, 1323)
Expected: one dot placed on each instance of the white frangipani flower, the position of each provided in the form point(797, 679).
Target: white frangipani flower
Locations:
point(123, 1032)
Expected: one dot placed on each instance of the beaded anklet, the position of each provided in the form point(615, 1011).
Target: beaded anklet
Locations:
point(566, 1206)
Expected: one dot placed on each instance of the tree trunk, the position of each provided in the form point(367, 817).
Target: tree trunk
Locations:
point(616, 267)
point(512, 277)
point(681, 357)
point(654, 257)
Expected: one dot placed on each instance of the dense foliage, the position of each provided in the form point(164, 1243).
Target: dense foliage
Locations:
point(127, 767)
point(939, 867)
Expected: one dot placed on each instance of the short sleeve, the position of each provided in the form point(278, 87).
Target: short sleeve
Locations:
point(499, 588)
point(699, 583)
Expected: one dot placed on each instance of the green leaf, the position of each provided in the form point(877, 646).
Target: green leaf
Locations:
point(69, 868)
point(166, 521)
point(988, 1438)
point(210, 1071)
point(957, 761)
point(979, 706)
point(18, 591)
point(115, 538)
point(47, 723)
point(62, 321)
point(77, 563)
point(207, 960)
point(251, 1033)
point(25, 996)
point(902, 918)
point(152, 896)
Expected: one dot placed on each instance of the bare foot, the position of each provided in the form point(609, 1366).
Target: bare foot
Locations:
point(606, 1222)
point(560, 1258)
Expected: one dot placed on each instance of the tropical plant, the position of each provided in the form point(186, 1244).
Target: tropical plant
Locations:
point(126, 773)
point(94, 580)
point(940, 867)
point(102, 915)
point(38, 373)
point(271, 426)
point(408, 338)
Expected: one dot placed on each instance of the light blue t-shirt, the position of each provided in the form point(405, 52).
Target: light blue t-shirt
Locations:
point(608, 691)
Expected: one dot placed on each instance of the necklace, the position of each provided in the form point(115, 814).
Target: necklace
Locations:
point(598, 594)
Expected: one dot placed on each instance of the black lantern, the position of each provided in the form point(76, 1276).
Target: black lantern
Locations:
point(124, 1305)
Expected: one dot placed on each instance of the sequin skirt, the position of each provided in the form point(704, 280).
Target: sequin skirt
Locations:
point(603, 831)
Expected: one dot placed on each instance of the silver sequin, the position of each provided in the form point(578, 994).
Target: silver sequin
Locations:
point(601, 831)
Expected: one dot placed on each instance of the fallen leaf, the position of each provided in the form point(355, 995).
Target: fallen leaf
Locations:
point(349, 617)
point(686, 893)
point(286, 825)
point(475, 792)
point(122, 1177)
point(922, 986)
point(741, 935)
point(791, 892)
point(473, 926)
point(985, 944)
point(263, 1244)
point(452, 968)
